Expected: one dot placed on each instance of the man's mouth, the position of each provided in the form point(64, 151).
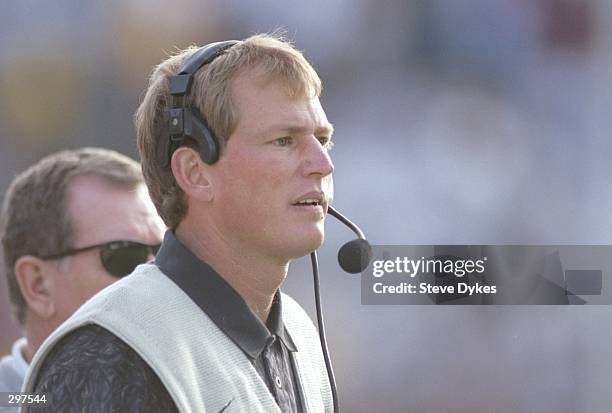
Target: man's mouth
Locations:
point(311, 200)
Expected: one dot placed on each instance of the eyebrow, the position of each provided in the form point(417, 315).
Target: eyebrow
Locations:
point(326, 129)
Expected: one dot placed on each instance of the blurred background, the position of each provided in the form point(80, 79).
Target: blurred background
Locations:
point(457, 122)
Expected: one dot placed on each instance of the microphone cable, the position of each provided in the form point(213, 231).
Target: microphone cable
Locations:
point(357, 252)
point(321, 325)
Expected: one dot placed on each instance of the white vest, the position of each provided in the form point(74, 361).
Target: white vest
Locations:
point(201, 368)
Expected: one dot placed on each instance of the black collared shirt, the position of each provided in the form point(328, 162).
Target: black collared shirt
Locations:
point(93, 361)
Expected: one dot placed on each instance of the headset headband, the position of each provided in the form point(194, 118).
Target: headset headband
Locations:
point(180, 84)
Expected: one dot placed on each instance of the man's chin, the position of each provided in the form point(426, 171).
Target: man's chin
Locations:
point(305, 245)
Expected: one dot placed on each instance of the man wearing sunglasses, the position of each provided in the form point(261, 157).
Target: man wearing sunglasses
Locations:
point(205, 328)
point(72, 224)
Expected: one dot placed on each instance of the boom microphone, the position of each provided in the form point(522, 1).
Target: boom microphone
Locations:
point(355, 255)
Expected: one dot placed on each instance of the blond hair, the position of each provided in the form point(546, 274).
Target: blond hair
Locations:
point(269, 56)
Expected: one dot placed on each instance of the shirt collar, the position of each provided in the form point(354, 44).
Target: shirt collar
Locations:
point(275, 323)
point(215, 297)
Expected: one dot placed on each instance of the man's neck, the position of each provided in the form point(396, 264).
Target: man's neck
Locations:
point(254, 277)
point(36, 331)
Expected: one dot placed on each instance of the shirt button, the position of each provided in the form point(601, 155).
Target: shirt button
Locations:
point(278, 382)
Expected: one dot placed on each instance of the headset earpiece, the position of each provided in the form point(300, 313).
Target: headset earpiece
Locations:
point(197, 129)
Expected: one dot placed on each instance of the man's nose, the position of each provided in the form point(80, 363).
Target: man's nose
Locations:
point(317, 160)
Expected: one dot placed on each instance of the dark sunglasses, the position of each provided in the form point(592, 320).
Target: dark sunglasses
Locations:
point(119, 258)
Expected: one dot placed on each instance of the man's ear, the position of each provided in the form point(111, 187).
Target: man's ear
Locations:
point(192, 174)
point(34, 277)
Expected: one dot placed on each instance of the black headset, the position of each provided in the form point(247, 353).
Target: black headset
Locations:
point(186, 123)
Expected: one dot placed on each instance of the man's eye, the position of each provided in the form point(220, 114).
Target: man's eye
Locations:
point(284, 141)
point(325, 142)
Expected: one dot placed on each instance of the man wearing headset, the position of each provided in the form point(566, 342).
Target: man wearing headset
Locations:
point(234, 145)
point(72, 224)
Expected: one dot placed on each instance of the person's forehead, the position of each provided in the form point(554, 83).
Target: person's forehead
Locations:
point(100, 211)
point(265, 104)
